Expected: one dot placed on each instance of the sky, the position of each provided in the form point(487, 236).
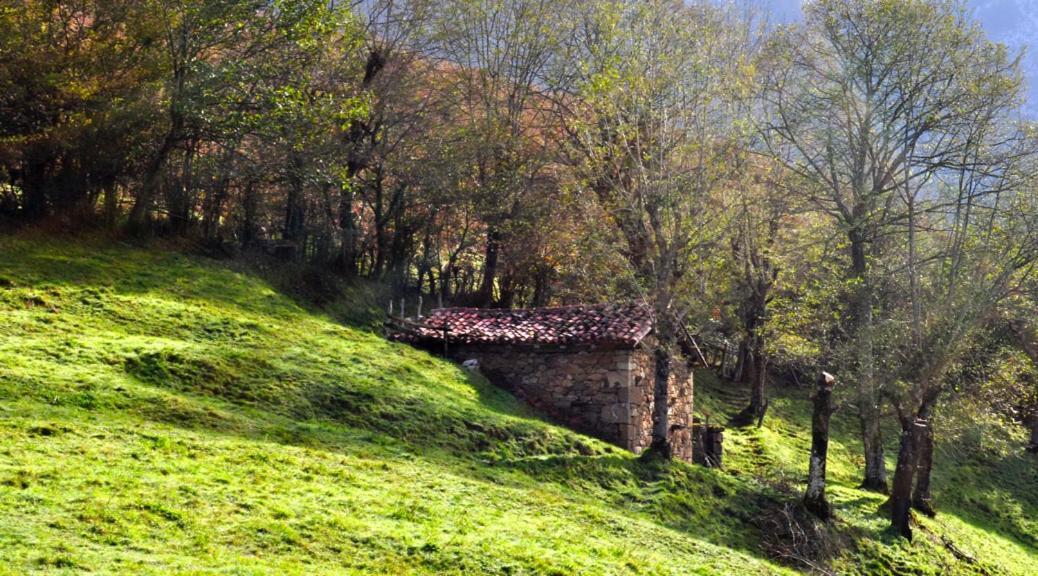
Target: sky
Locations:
point(1012, 22)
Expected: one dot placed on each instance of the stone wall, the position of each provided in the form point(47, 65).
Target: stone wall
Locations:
point(680, 405)
point(583, 388)
point(601, 391)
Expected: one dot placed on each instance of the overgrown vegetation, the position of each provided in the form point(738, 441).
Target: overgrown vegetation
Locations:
point(164, 413)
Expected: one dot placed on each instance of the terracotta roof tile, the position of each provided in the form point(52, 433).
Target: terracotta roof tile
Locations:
point(620, 324)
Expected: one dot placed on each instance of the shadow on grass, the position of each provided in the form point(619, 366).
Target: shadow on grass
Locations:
point(495, 439)
point(701, 503)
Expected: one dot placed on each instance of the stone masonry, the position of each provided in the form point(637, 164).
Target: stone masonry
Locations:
point(589, 367)
point(604, 392)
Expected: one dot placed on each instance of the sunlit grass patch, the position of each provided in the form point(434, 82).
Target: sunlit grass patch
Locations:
point(167, 414)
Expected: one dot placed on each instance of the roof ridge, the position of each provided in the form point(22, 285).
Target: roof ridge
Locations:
point(635, 304)
point(607, 322)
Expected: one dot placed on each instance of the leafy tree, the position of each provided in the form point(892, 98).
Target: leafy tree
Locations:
point(207, 52)
point(763, 208)
point(500, 51)
point(654, 135)
point(980, 248)
point(867, 100)
point(73, 104)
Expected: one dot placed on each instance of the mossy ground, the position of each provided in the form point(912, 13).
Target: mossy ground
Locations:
point(161, 413)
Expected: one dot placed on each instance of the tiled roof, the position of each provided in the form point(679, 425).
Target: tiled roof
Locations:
point(618, 324)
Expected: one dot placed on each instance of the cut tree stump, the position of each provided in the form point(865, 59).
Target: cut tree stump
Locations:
point(814, 498)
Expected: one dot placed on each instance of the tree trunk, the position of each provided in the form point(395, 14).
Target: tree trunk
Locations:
point(660, 409)
point(401, 246)
point(868, 395)
point(541, 285)
point(916, 451)
point(506, 299)
point(142, 207)
point(381, 239)
point(814, 498)
point(36, 174)
point(755, 369)
point(751, 349)
point(872, 440)
point(180, 204)
point(446, 274)
point(249, 209)
point(111, 205)
point(348, 228)
point(486, 289)
point(1033, 447)
point(901, 490)
point(661, 445)
point(758, 376)
point(742, 372)
point(217, 195)
point(922, 500)
point(295, 211)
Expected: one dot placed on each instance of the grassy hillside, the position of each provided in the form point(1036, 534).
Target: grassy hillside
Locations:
point(985, 487)
point(165, 414)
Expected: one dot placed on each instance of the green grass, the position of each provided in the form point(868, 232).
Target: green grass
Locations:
point(161, 414)
point(984, 486)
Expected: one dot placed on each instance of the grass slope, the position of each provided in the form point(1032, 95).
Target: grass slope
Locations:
point(985, 487)
point(165, 414)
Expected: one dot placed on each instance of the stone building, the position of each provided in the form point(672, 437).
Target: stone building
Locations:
point(587, 367)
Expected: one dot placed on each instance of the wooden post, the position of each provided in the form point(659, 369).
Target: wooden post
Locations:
point(699, 352)
point(402, 313)
point(419, 315)
point(446, 333)
point(439, 299)
point(814, 498)
point(390, 306)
